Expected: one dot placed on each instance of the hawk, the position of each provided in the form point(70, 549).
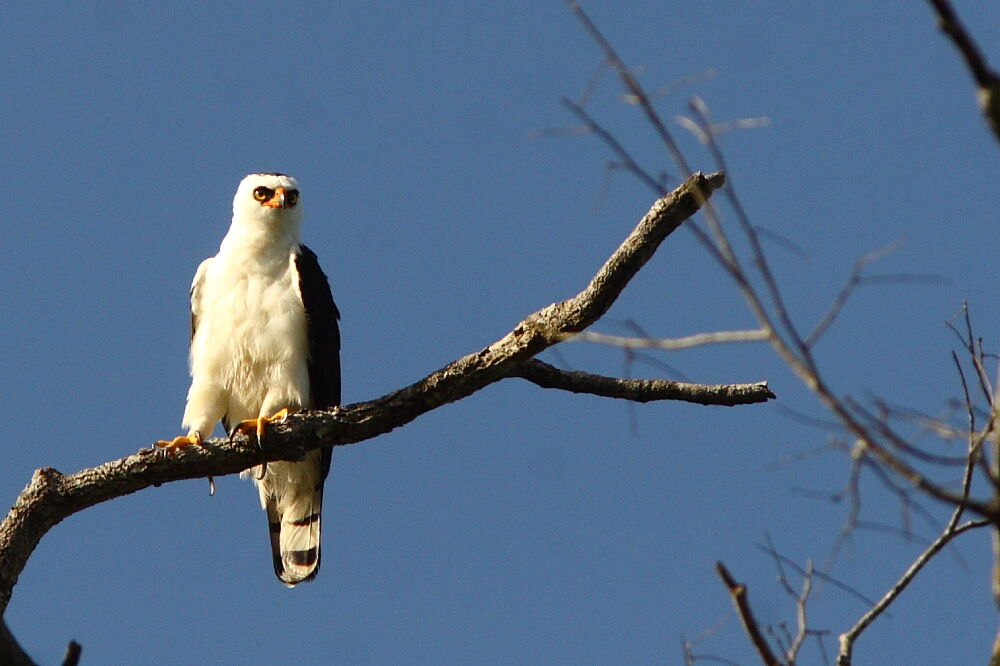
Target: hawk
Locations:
point(265, 342)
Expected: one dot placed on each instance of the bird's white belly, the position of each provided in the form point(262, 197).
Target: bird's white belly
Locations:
point(249, 353)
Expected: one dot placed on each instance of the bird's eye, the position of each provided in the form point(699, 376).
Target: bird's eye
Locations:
point(262, 193)
point(292, 197)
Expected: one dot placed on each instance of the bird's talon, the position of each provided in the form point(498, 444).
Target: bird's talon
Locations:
point(167, 448)
point(257, 425)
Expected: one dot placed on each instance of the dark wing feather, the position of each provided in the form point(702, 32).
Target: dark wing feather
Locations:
point(324, 336)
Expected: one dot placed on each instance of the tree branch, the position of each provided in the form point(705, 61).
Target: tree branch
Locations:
point(51, 496)
point(643, 390)
point(687, 342)
point(847, 639)
point(738, 592)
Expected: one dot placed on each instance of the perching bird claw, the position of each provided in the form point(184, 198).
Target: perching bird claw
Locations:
point(168, 448)
point(257, 425)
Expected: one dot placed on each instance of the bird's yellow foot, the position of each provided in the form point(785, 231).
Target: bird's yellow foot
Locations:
point(257, 425)
point(168, 447)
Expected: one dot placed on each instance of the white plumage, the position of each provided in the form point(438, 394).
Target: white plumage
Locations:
point(265, 338)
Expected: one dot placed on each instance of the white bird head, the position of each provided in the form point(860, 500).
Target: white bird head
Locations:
point(268, 203)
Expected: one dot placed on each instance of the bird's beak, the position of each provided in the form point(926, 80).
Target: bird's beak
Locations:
point(278, 200)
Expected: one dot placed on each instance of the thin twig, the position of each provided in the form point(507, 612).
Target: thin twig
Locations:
point(738, 593)
point(848, 638)
point(881, 426)
point(688, 646)
point(643, 390)
point(801, 599)
point(673, 344)
point(800, 615)
point(632, 86)
point(852, 490)
point(975, 355)
point(700, 109)
point(845, 292)
point(818, 574)
point(627, 161)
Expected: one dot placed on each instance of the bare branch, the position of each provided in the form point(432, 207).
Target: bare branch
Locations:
point(853, 491)
point(952, 530)
point(643, 390)
point(688, 341)
point(701, 133)
point(687, 646)
point(976, 355)
point(738, 592)
point(625, 158)
point(635, 92)
point(801, 601)
point(801, 618)
point(848, 638)
point(881, 426)
point(670, 88)
point(817, 574)
point(845, 293)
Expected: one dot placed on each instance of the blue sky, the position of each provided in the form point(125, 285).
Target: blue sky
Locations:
point(520, 525)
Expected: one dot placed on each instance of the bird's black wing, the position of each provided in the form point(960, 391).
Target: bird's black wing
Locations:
point(323, 334)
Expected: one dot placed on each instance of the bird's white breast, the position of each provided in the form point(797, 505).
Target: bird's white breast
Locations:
point(250, 341)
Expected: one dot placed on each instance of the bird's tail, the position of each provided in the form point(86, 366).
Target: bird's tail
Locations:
point(292, 496)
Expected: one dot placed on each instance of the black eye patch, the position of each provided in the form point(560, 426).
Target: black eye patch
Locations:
point(262, 193)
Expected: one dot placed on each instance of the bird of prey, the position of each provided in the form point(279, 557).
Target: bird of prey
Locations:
point(265, 342)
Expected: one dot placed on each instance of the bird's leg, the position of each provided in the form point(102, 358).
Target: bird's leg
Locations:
point(193, 438)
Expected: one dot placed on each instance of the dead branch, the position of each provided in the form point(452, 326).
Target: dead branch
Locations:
point(848, 638)
point(801, 601)
point(51, 496)
point(815, 574)
point(791, 345)
point(672, 344)
point(738, 592)
point(643, 390)
point(951, 530)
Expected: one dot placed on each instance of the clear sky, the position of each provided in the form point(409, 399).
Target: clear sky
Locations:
point(520, 525)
